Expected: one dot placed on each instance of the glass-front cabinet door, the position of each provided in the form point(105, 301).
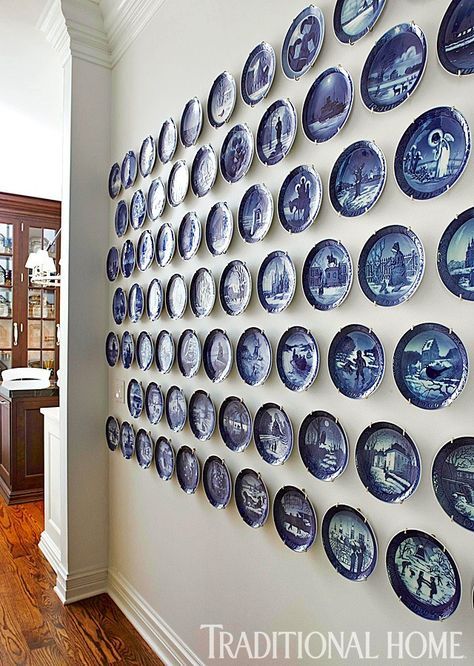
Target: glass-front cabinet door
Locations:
point(6, 296)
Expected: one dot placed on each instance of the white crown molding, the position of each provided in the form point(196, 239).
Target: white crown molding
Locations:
point(51, 22)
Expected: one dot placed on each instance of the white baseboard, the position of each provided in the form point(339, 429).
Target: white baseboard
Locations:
point(153, 629)
point(50, 550)
point(80, 585)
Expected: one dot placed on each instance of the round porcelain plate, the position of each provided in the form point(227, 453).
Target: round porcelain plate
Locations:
point(295, 519)
point(221, 101)
point(164, 352)
point(258, 74)
point(255, 213)
point(236, 153)
point(297, 358)
point(303, 42)
point(323, 446)
point(276, 132)
point(217, 482)
point(176, 408)
point(164, 458)
point(300, 199)
point(453, 480)
point(456, 256)
point(202, 415)
point(276, 281)
point(217, 355)
point(254, 356)
point(355, 18)
point(219, 228)
point(235, 288)
point(189, 353)
point(273, 434)
point(235, 424)
point(251, 498)
point(327, 275)
point(328, 104)
point(202, 293)
point(188, 469)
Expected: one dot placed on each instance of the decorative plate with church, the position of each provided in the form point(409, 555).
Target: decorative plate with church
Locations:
point(119, 306)
point(147, 156)
point(190, 124)
point(112, 348)
point(323, 446)
point(189, 235)
point(154, 299)
point(297, 358)
point(218, 355)
point(145, 250)
point(203, 170)
point(135, 398)
point(453, 480)
point(328, 104)
point(251, 498)
point(136, 302)
point(276, 132)
point(456, 256)
point(202, 293)
point(300, 198)
point(156, 199)
point(258, 74)
point(167, 140)
point(276, 281)
point(221, 100)
point(127, 440)
point(388, 462)
point(165, 245)
point(255, 213)
point(127, 350)
point(121, 218)
point(188, 470)
point(127, 258)
point(114, 182)
point(137, 209)
point(430, 366)
point(164, 458)
point(112, 264)
point(273, 434)
point(355, 18)
point(236, 153)
point(391, 265)
point(455, 34)
point(235, 424)
point(295, 518)
point(189, 353)
point(176, 296)
point(302, 42)
point(327, 275)
point(202, 415)
point(112, 432)
point(145, 351)
point(235, 287)
point(254, 356)
point(154, 403)
point(128, 170)
point(219, 228)
point(217, 482)
point(176, 409)
point(178, 183)
point(164, 351)
point(144, 448)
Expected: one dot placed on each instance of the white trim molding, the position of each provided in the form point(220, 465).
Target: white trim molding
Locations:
point(71, 587)
point(50, 551)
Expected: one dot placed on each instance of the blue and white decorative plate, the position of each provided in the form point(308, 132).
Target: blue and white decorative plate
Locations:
point(235, 287)
point(221, 100)
point(430, 366)
point(388, 462)
point(456, 256)
point(327, 275)
point(454, 44)
point(164, 352)
point(176, 409)
point(328, 104)
point(147, 156)
point(176, 296)
point(135, 398)
point(127, 258)
point(391, 265)
point(154, 299)
point(145, 250)
point(394, 67)
point(202, 415)
point(145, 351)
point(112, 347)
point(355, 18)
point(189, 235)
point(273, 434)
point(128, 170)
point(349, 542)
point(112, 264)
point(423, 574)
point(217, 482)
point(137, 209)
point(235, 424)
point(323, 446)
point(219, 228)
point(119, 306)
point(136, 302)
point(112, 433)
point(127, 350)
point(297, 358)
point(127, 440)
point(357, 179)
point(303, 42)
point(167, 141)
point(276, 132)
point(218, 356)
point(236, 153)
point(165, 245)
point(188, 469)
point(453, 480)
point(276, 281)
point(164, 458)
point(114, 182)
point(300, 198)
point(356, 361)
point(251, 498)
point(144, 448)
point(433, 153)
point(154, 403)
point(254, 356)
point(190, 124)
point(258, 74)
point(121, 218)
point(202, 293)
point(295, 519)
point(178, 183)
point(203, 170)
point(156, 199)
point(189, 353)
point(255, 213)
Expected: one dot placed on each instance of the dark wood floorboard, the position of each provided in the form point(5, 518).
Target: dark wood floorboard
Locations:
point(35, 628)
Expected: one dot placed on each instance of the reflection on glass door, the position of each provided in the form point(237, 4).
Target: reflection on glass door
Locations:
point(6, 295)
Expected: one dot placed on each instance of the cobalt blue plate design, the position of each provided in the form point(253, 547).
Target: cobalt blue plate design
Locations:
point(276, 281)
point(323, 446)
point(430, 366)
point(176, 296)
point(176, 409)
point(349, 542)
point(432, 153)
point(178, 183)
point(203, 170)
point(218, 356)
point(167, 141)
point(189, 235)
point(127, 440)
point(297, 358)
point(121, 218)
point(202, 293)
point(236, 153)
point(191, 123)
point(300, 198)
point(303, 42)
point(127, 258)
point(188, 469)
point(251, 498)
point(202, 415)
point(456, 256)
point(357, 179)
point(258, 74)
point(355, 18)
point(235, 424)
point(391, 265)
point(328, 104)
point(119, 306)
point(147, 156)
point(453, 480)
point(136, 303)
point(356, 361)
point(235, 287)
point(144, 448)
point(112, 433)
point(276, 132)
point(128, 170)
point(112, 264)
point(327, 275)
point(154, 299)
point(127, 350)
point(189, 353)
point(388, 462)
point(255, 213)
point(254, 356)
point(219, 228)
point(164, 352)
point(164, 458)
point(145, 250)
point(154, 403)
point(394, 68)
point(137, 209)
point(273, 434)
point(455, 38)
point(295, 519)
point(112, 346)
point(135, 398)
point(217, 482)
point(221, 100)
point(114, 182)
point(145, 351)
point(165, 245)
point(423, 574)
point(156, 199)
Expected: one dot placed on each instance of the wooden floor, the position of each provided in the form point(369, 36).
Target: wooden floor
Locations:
point(35, 628)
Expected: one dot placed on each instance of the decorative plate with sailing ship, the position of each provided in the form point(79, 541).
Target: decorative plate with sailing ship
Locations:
point(328, 104)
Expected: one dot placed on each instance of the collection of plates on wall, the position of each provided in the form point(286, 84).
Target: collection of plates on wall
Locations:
point(430, 362)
